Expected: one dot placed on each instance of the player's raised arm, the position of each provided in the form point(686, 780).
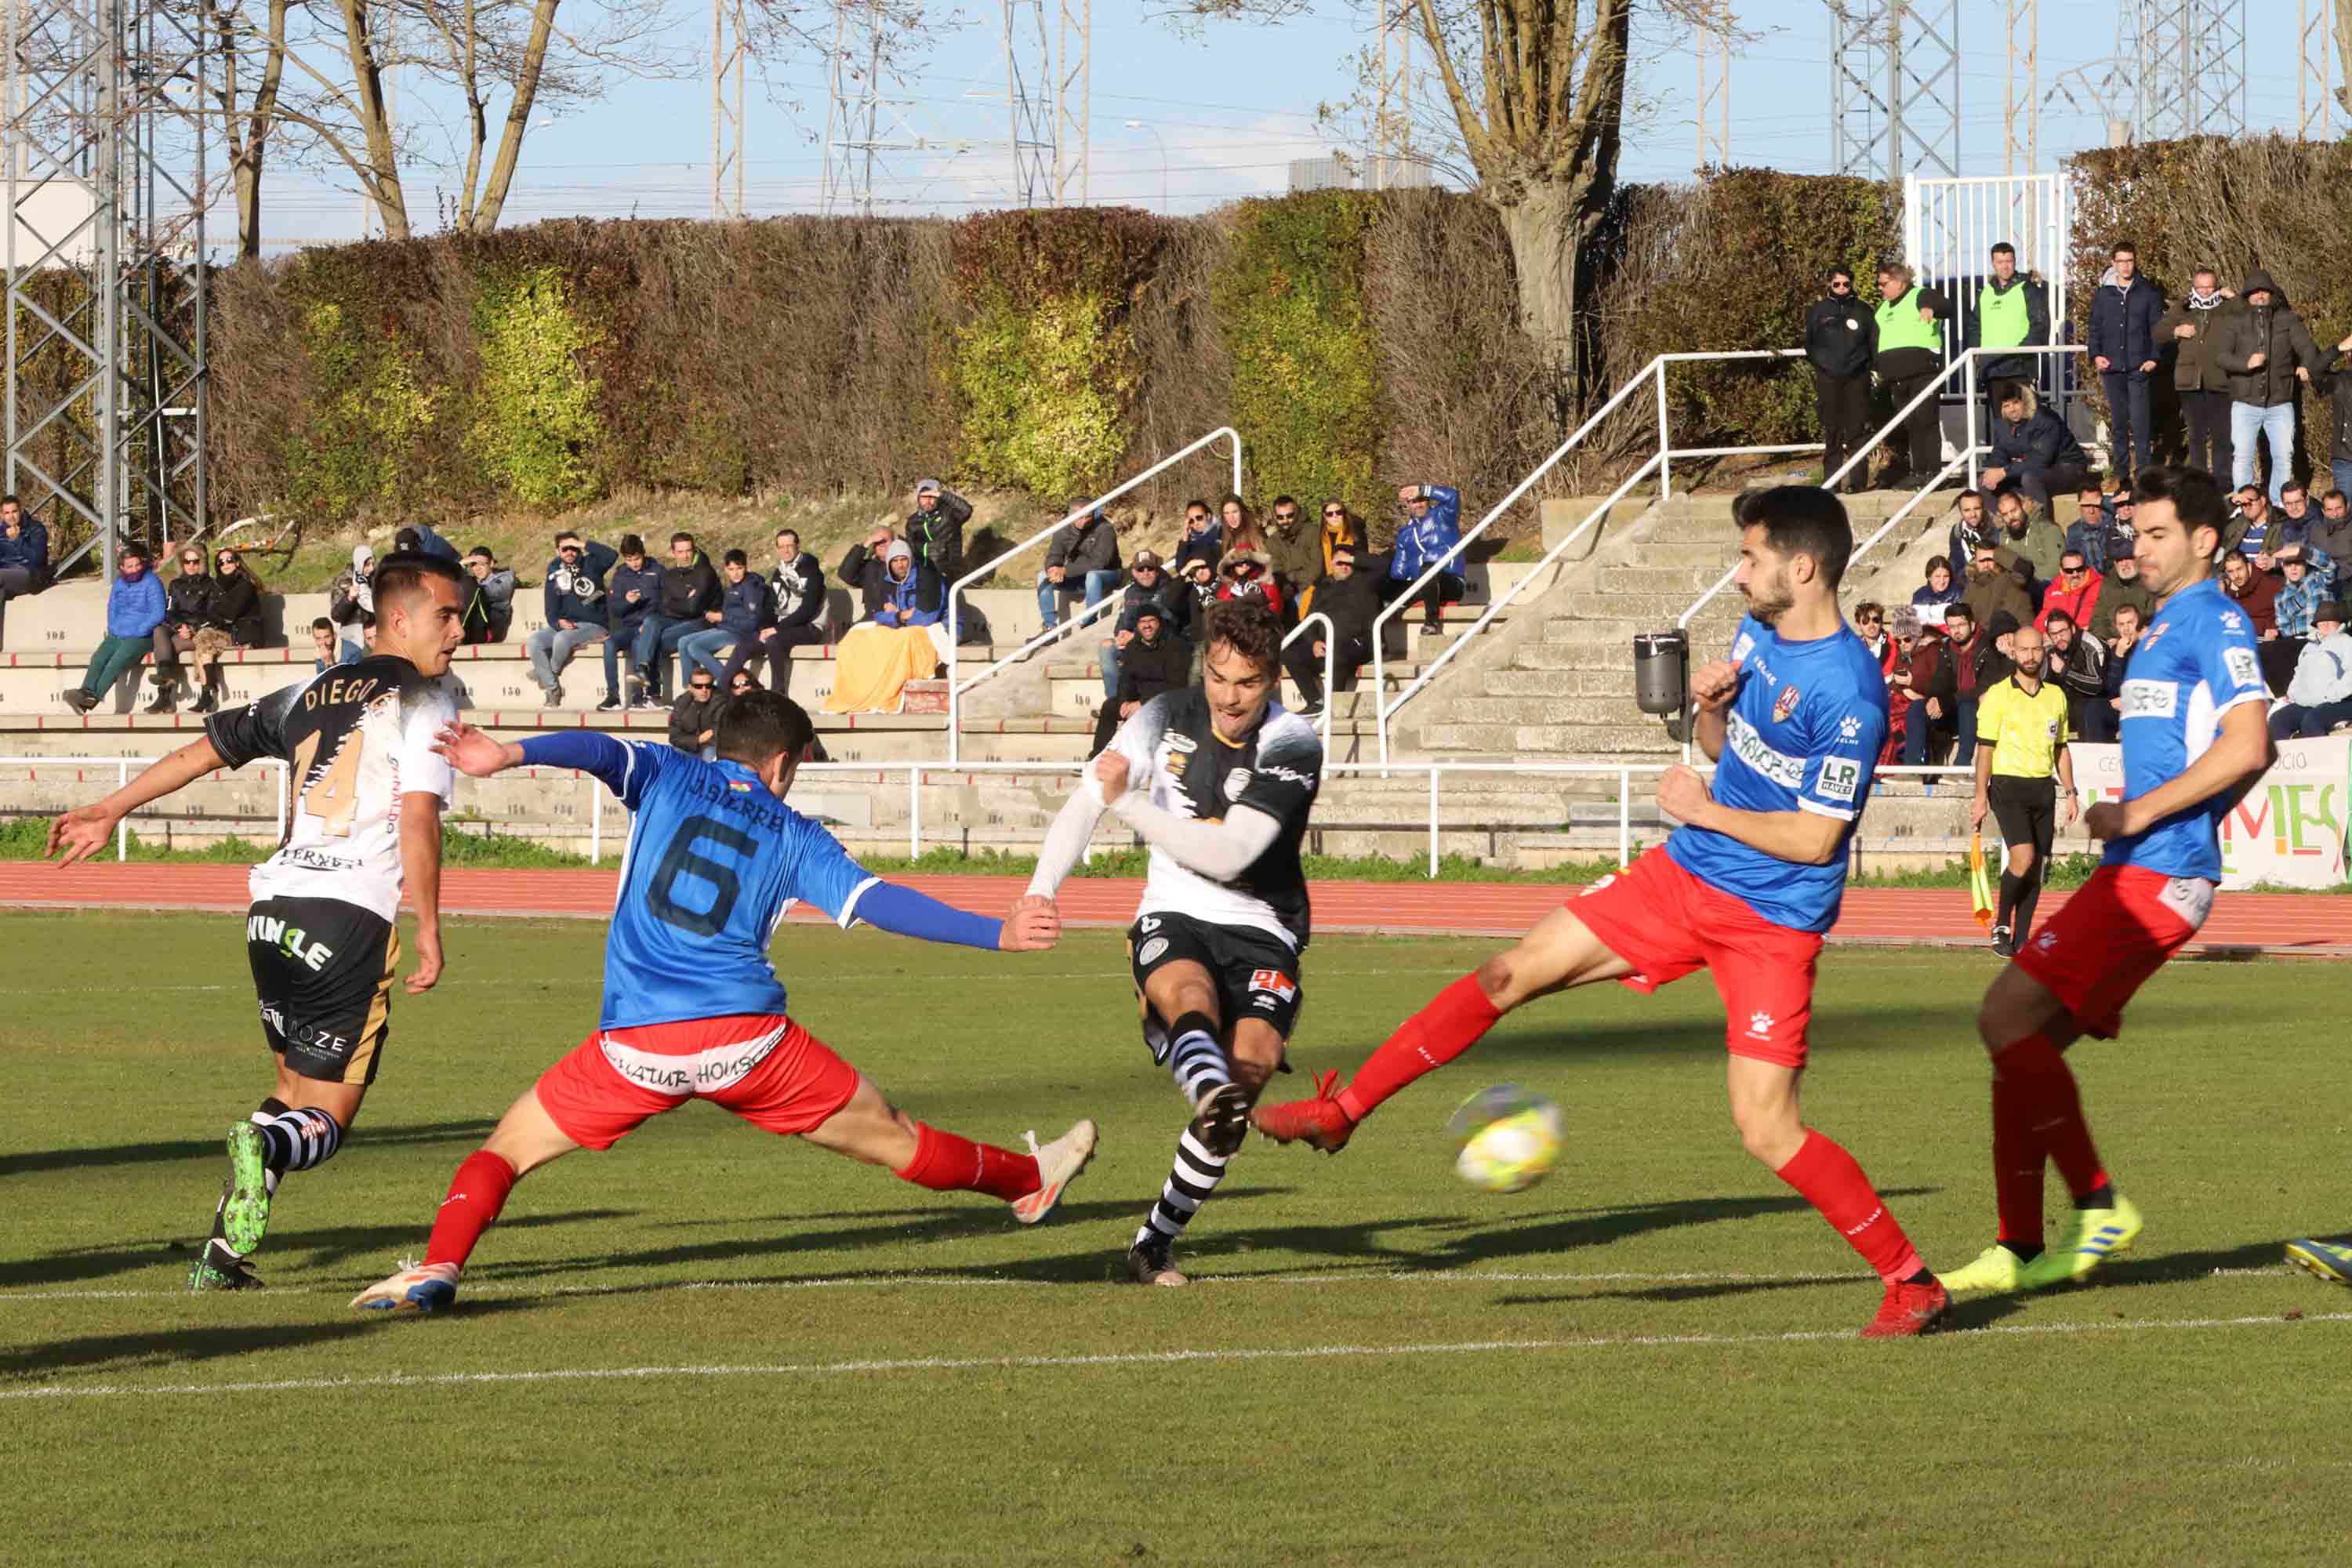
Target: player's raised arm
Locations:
point(83, 831)
point(1220, 850)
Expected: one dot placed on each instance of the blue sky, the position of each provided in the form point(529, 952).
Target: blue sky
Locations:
point(1221, 113)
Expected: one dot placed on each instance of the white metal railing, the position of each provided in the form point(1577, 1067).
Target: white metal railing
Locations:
point(122, 766)
point(1663, 462)
point(955, 591)
point(1330, 669)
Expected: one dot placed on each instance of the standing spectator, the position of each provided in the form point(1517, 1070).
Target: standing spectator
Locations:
point(1993, 587)
point(1910, 360)
point(1974, 527)
point(1247, 574)
point(2333, 531)
point(1081, 560)
point(2033, 450)
point(489, 604)
point(2189, 329)
point(1929, 720)
point(744, 611)
point(694, 718)
point(1341, 533)
point(134, 608)
point(24, 552)
point(2266, 350)
point(689, 604)
point(2031, 542)
point(2076, 594)
point(2337, 370)
point(1427, 539)
point(2012, 310)
point(2122, 590)
point(1351, 598)
point(796, 597)
point(574, 599)
point(1154, 660)
point(1295, 547)
point(634, 595)
point(1841, 338)
point(1942, 589)
point(2256, 594)
point(421, 536)
point(2022, 734)
point(2319, 694)
point(1150, 590)
point(187, 610)
point(326, 646)
point(1903, 631)
point(351, 598)
point(1202, 540)
point(2130, 620)
point(2078, 665)
point(2124, 310)
point(935, 528)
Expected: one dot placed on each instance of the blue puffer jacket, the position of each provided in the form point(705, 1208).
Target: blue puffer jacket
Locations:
point(134, 605)
point(1421, 545)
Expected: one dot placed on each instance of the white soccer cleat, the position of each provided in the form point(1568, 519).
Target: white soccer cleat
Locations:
point(1058, 1165)
point(417, 1288)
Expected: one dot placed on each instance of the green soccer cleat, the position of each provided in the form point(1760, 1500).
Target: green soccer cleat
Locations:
point(218, 1269)
point(245, 1211)
point(1996, 1271)
point(2329, 1260)
point(2099, 1235)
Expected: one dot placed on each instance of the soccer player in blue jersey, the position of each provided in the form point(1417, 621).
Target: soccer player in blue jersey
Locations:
point(2194, 719)
point(693, 1009)
point(1745, 888)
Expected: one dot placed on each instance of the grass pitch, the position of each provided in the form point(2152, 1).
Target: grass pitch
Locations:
point(713, 1346)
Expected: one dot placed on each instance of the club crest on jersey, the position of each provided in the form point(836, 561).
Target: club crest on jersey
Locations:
point(739, 786)
point(1786, 704)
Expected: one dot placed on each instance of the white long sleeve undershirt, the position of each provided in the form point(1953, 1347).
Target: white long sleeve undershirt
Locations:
point(1218, 850)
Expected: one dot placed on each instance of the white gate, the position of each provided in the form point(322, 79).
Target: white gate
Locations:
point(1949, 228)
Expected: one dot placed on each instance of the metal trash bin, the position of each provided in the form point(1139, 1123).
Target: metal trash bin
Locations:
point(1662, 672)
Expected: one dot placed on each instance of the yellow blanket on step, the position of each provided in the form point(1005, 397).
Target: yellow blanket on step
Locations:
point(873, 664)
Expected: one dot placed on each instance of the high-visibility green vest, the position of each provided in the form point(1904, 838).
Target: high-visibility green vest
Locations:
point(1899, 326)
point(2003, 322)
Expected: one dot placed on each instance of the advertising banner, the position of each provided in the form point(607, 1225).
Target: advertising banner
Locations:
point(2289, 830)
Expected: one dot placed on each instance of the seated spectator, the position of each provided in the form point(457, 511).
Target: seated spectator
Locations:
point(1201, 540)
point(489, 604)
point(1351, 598)
point(24, 552)
point(187, 612)
point(796, 600)
point(632, 596)
point(2130, 620)
point(1427, 539)
point(1342, 531)
point(574, 599)
point(906, 639)
point(2091, 521)
point(1150, 588)
point(1974, 527)
point(2319, 695)
point(2256, 594)
point(1933, 716)
point(2077, 592)
point(326, 646)
point(231, 607)
point(2033, 450)
point(1244, 574)
point(2302, 589)
point(2031, 541)
point(1994, 587)
point(1977, 662)
point(688, 603)
point(2251, 521)
point(745, 611)
point(2295, 518)
point(2079, 666)
point(134, 608)
point(694, 718)
point(1296, 548)
point(1929, 599)
point(2122, 588)
point(1154, 660)
point(901, 590)
point(2333, 533)
point(742, 682)
point(422, 536)
point(351, 596)
point(935, 528)
point(1081, 558)
point(1238, 529)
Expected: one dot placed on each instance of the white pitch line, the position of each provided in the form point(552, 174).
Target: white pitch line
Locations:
point(1131, 1357)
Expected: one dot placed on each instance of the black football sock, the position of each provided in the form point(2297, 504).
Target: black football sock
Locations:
point(2027, 897)
point(2012, 888)
point(2026, 1251)
point(295, 1139)
point(2102, 1196)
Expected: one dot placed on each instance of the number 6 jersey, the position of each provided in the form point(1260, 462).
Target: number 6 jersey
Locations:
point(358, 737)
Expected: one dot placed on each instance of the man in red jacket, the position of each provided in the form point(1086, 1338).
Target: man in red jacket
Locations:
point(2256, 593)
point(2077, 590)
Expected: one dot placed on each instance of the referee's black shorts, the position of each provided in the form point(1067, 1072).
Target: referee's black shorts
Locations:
point(2026, 809)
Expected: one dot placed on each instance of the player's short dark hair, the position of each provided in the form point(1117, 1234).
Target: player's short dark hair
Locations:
point(760, 725)
point(400, 577)
point(735, 558)
point(1247, 628)
point(1799, 519)
point(2196, 496)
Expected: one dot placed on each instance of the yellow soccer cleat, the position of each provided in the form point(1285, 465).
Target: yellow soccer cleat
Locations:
point(1996, 1271)
point(2098, 1234)
point(2329, 1260)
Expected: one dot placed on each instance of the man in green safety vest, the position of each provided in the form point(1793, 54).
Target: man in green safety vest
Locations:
point(2011, 310)
point(1910, 363)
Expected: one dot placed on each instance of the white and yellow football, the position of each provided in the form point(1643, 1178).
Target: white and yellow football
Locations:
point(1506, 1139)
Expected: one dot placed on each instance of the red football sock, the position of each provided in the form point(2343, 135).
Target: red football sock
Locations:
point(2053, 1109)
point(1451, 1023)
point(1831, 1181)
point(2018, 1159)
point(945, 1163)
point(476, 1192)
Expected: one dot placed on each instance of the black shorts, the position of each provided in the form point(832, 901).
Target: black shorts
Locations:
point(1257, 973)
point(323, 971)
point(2026, 809)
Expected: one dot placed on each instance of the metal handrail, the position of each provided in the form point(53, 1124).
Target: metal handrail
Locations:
point(122, 766)
point(1330, 669)
point(955, 590)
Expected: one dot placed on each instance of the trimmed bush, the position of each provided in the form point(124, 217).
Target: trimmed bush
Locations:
point(535, 427)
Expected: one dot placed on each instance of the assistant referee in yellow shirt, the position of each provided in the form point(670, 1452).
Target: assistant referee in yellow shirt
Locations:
point(2021, 736)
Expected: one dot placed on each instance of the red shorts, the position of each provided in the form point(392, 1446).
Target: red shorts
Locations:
point(764, 1068)
point(1667, 924)
point(2110, 936)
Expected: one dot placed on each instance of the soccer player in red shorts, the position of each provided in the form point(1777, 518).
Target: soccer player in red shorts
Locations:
point(2194, 719)
point(1796, 719)
point(693, 1009)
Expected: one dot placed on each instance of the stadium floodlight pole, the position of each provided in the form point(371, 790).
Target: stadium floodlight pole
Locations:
point(1146, 125)
point(955, 592)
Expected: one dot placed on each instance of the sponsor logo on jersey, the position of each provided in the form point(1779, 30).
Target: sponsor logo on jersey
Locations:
point(2149, 699)
point(1274, 983)
point(1179, 742)
point(292, 942)
point(1841, 779)
point(1236, 781)
point(1287, 775)
point(1749, 746)
point(1745, 645)
point(2243, 668)
point(697, 1072)
point(1786, 703)
point(1152, 951)
point(1759, 1025)
point(2233, 622)
point(1148, 924)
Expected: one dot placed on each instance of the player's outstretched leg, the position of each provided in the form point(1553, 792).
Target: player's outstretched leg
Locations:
point(868, 1127)
point(275, 1139)
point(525, 1138)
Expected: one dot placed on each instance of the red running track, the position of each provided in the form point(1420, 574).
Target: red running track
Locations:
point(2309, 924)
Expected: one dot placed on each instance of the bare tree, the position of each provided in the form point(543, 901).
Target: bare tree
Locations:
point(253, 62)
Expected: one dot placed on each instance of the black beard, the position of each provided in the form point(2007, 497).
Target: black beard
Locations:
point(1768, 613)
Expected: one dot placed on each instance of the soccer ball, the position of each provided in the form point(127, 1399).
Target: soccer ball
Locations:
point(1506, 1139)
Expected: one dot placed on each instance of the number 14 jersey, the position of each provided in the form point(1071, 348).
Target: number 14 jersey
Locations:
point(357, 737)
